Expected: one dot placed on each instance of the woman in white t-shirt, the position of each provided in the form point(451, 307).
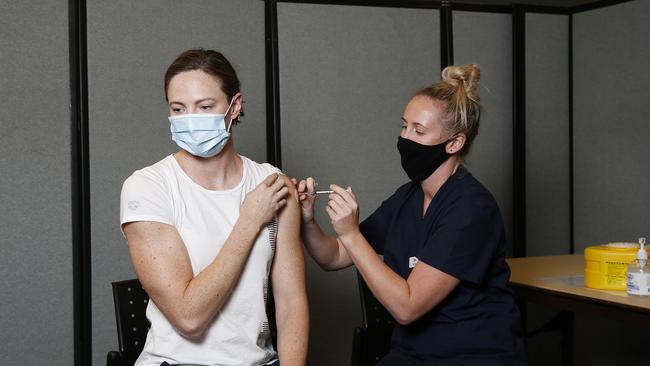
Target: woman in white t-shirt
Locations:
point(208, 229)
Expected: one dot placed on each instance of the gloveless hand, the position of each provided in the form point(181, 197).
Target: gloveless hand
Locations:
point(343, 211)
point(307, 198)
point(263, 202)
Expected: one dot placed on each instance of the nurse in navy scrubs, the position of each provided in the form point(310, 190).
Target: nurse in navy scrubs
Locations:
point(443, 276)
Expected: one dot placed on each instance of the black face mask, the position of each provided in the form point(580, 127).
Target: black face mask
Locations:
point(420, 161)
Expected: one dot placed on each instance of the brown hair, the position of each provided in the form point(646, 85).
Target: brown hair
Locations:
point(462, 104)
point(210, 62)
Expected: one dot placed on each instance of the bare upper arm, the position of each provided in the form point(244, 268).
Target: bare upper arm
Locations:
point(161, 262)
point(288, 269)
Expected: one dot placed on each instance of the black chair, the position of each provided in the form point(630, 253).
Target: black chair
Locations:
point(130, 301)
point(371, 341)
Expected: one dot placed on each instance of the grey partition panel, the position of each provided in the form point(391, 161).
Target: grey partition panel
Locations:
point(486, 39)
point(611, 109)
point(547, 135)
point(346, 74)
point(36, 306)
point(130, 45)
point(547, 160)
point(611, 130)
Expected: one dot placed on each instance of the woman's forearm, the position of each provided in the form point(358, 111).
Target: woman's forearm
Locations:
point(389, 288)
point(206, 293)
point(161, 260)
point(326, 250)
point(406, 299)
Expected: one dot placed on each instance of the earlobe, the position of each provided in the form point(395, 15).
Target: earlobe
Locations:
point(456, 144)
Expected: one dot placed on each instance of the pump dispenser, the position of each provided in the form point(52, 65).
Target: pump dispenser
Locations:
point(638, 272)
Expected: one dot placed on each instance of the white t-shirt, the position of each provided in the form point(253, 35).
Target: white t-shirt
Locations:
point(239, 334)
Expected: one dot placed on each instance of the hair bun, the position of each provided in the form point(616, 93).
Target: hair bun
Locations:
point(461, 106)
point(466, 75)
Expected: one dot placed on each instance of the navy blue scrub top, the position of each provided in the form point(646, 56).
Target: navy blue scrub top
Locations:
point(461, 234)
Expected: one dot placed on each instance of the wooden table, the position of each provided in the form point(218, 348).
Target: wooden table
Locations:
point(558, 281)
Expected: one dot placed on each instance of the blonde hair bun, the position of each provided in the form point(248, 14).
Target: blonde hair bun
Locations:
point(458, 89)
point(466, 75)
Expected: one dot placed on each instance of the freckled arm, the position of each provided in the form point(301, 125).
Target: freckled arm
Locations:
point(163, 267)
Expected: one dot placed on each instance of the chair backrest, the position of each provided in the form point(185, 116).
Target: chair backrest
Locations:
point(130, 301)
point(373, 312)
point(371, 341)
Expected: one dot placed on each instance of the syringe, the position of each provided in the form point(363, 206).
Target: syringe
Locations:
point(317, 192)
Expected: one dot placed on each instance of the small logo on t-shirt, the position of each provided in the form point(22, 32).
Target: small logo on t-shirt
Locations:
point(412, 261)
point(133, 205)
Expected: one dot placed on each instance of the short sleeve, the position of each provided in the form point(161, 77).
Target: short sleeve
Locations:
point(375, 227)
point(465, 240)
point(144, 198)
point(261, 171)
point(272, 169)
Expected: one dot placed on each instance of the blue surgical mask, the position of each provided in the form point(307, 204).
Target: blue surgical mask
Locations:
point(202, 135)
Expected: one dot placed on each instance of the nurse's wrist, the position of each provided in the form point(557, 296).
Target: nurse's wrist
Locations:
point(350, 237)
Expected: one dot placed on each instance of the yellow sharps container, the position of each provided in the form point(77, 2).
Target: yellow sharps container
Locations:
point(606, 265)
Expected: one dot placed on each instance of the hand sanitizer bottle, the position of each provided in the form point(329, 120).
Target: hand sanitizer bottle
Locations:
point(638, 272)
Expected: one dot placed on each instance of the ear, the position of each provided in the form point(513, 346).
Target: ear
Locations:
point(235, 110)
point(456, 143)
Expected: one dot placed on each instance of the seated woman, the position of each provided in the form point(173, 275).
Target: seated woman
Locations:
point(207, 229)
point(444, 277)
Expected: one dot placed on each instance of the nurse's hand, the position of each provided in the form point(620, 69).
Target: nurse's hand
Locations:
point(343, 210)
point(306, 197)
